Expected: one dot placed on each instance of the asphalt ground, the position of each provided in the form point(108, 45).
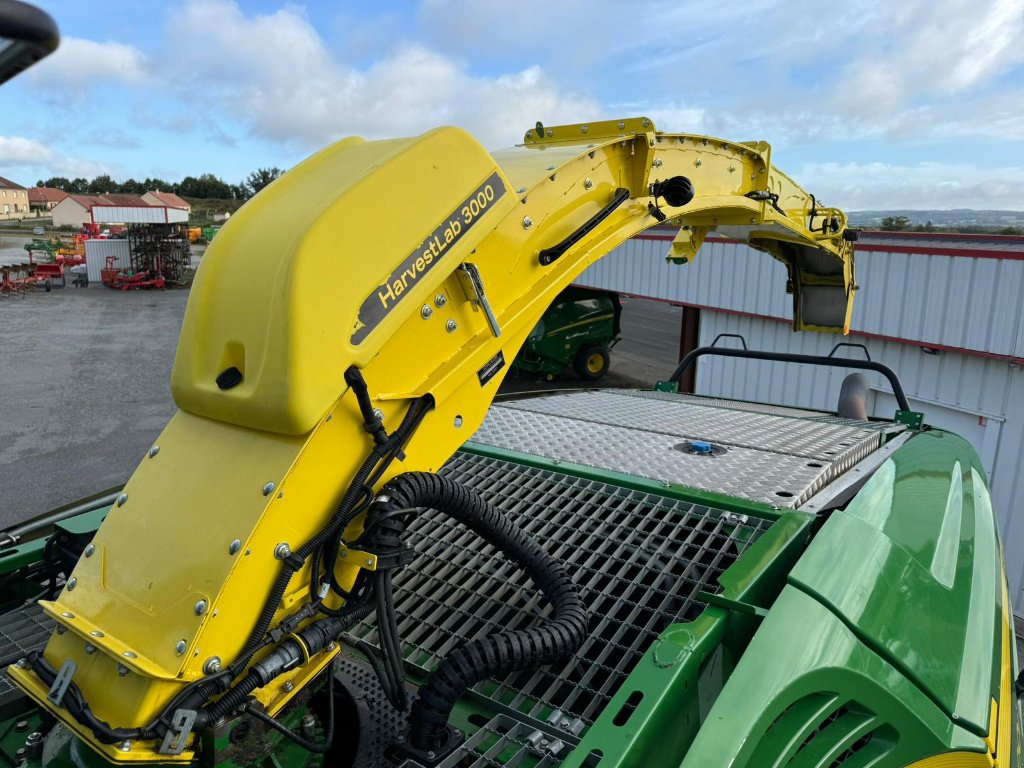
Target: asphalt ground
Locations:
point(85, 385)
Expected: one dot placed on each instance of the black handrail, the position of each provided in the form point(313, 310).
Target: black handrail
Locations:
point(783, 357)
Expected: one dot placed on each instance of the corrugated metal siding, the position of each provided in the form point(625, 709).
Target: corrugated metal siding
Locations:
point(132, 214)
point(956, 301)
point(97, 251)
point(954, 391)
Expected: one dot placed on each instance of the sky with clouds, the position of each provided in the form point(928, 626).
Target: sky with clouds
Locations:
point(910, 104)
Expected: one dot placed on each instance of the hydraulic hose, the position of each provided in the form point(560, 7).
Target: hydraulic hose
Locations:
point(496, 655)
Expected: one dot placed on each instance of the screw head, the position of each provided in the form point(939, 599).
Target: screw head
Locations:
point(234, 546)
point(122, 670)
point(212, 665)
point(268, 488)
point(588, 184)
point(457, 422)
point(200, 607)
point(527, 222)
point(282, 551)
point(369, 561)
point(622, 125)
point(645, 123)
point(122, 499)
point(130, 655)
point(520, 190)
point(658, 162)
point(89, 549)
point(440, 300)
point(21, 726)
point(125, 746)
point(96, 633)
point(90, 649)
point(288, 686)
point(697, 162)
point(154, 451)
point(21, 663)
point(180, 647)
point(451, 325)
point(584, 128)
point(72, 583)
point(67, 614)
point(426, 311)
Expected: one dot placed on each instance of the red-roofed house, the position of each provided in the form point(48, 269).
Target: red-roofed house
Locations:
point(13, 200)
point(169, 199)
point(45, 198)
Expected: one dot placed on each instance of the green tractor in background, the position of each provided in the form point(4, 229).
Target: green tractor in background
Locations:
point(579, 329)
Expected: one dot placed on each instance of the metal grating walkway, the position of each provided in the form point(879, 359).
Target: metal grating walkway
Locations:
point(21, 631)
point(639, 560)
point(776, 459)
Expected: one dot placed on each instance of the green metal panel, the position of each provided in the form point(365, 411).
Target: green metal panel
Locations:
point(807, 690)
point(912, 566)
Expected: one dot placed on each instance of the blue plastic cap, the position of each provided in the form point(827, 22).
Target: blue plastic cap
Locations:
point(700, 446)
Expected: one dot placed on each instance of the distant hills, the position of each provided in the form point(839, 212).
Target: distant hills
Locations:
point(957, 218)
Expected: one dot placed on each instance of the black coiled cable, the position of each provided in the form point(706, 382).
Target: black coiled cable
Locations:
point(496, 655)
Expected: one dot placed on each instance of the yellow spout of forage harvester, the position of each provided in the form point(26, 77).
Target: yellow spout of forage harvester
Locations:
point(417, 266)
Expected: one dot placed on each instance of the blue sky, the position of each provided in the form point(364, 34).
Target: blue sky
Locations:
point(868, 104)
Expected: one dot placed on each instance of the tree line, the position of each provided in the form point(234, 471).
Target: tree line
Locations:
point(205, 186)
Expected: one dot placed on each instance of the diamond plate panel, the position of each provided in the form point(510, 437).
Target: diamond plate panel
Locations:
point(685, 419)
point(773, 478)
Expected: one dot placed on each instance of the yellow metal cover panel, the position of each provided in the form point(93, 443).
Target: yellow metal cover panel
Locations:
point(315, 272)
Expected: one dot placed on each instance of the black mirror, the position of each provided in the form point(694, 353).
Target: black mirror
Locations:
point(27, 35)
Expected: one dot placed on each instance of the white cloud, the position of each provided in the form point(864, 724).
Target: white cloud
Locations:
point(875, 186)
point(275, 74)
point(21, 157)
point(79, 65)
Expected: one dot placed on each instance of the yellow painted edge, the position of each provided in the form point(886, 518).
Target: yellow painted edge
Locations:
point(140, 751)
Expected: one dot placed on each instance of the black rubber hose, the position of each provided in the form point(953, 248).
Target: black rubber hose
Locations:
point(497, 655)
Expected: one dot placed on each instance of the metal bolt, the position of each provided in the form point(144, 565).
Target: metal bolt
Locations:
point(21, 664)
point(200, 608)
point(698, 162)
point(212, 665)
point(90, 649)
point(587, 184)
point(520, 190)
point(550, 133)
point(288, 687)
point(122, 670)
point(21, 726)
point(451, 325)
point(440, 300)
point(584, 129)
point(122, 499)
point(369, 561)
point(431, 754)
point(622, 125)
point(72, 583)
point(96, 633)
point(457, 422)
point(130, 655)
point(67, 614)
point(645, 122)
point(732, 169)
point(308, 724)
point(61, 629)
point(89, 549)
point(344, 553)
point(657, 162)
point(154, 451)
point(125, 746)
point(268, 488)
point(426, 311)
point(234, 546)
point(527, 222)
point(551, 167)
point(20, 753)
point(282, 551)
point(180, 647)
point(378, 413)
